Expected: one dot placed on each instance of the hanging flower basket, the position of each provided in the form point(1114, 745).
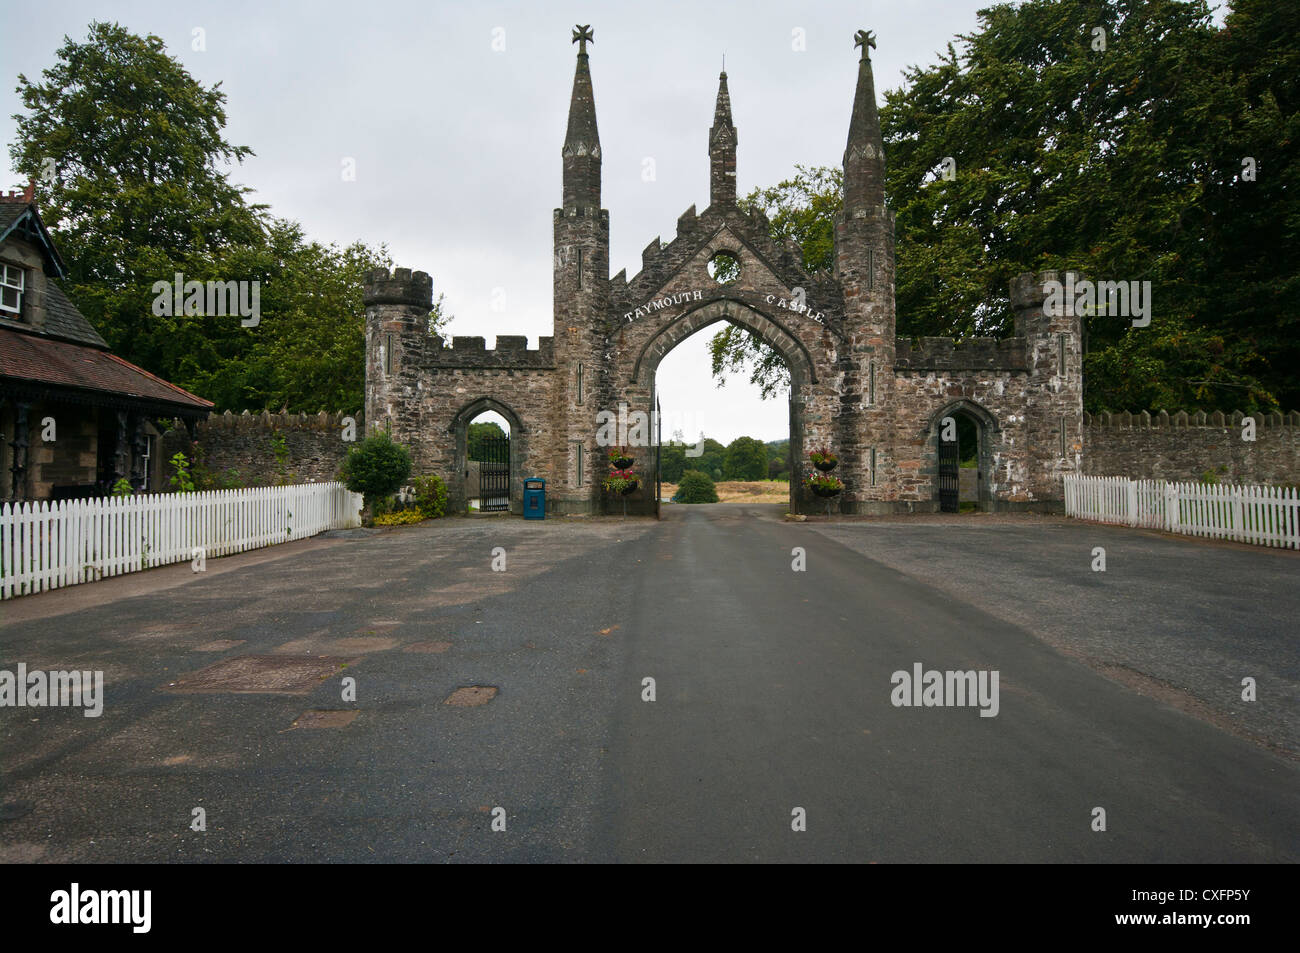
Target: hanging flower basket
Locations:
point(621, 482)
point(824, 460)
point(823, 485)
point(619, 459)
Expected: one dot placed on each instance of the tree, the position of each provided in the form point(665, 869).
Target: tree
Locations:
point(672, 462)
point(128, 151)
point(746, 459)
point(1124, 163)
point(696, 487)
point(376, 467)
point(477, 434)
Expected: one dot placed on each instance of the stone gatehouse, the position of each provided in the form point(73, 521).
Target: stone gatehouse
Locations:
point(878, 403)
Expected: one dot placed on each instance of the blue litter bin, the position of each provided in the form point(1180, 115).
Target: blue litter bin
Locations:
point(535, 498)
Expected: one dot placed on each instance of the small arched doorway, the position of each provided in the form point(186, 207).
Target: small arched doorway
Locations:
point(960, 443)
point(489, 441)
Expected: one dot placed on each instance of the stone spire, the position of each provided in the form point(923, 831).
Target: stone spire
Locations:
point(581, 150)
point(722, 150)
point(864, 158)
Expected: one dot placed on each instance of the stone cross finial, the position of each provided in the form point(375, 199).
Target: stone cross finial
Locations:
point(582, 35)
point(864, 39)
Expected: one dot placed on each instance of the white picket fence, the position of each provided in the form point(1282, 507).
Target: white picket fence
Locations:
point(49, 545)
point(1265, 515)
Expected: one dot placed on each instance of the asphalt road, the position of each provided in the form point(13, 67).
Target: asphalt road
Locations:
point(772, 693)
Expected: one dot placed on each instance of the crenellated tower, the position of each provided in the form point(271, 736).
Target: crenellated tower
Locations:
point(581, 302)
point(864, 267)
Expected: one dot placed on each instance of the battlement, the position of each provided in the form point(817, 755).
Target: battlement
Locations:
point(403, 286)
point(943, 354)
point(577, 212)
point(1145, 419)
point(511, 353)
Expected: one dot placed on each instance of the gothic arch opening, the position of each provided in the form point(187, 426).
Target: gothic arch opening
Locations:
point(646, 382)
point(960, 446)
point(490, 443)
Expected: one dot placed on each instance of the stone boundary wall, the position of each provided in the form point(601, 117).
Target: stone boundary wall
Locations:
point(1183, 447)
point(243, 444)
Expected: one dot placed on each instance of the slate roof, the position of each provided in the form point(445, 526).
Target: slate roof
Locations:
point(30, 362)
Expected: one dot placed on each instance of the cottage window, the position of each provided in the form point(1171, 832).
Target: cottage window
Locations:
point(11, 289)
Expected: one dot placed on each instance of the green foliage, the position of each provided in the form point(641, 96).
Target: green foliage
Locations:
point(475, 436)
point(672, 462)
point(430, 496)
point(376, 467)
point(280, 448)
point(403, 518)
point(1124, 164)
point(746, 459)
point(181, 480)
point(778, 459)
point(139, 192)
point(696, 487)
point(122, 487)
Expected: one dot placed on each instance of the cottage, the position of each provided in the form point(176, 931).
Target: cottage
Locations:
point(74, 417)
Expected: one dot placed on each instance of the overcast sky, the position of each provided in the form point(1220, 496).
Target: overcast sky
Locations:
point(455, 113)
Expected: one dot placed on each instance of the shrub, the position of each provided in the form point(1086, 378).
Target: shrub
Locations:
point(696, 487)
point(404, 518)
point(376, 467)
point(430, 496)
point(181, 480)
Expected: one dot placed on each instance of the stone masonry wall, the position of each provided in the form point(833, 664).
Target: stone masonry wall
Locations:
point(1186, 446)
point(241, 446)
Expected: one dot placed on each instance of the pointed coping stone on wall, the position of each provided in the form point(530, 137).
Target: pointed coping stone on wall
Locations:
point(1275, 420)
point(1144, 419)
point(1125, 419)
point(1293, 418)
point(1162, 419)
point(1180, 419)
point(1198, 419)
point(1217, 419)
point(650, 253)
point(1237, 418)
point(1087, 419)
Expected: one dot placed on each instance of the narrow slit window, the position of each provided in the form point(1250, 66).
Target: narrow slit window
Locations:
point(579, 383)
point(873, 466)
point(1063, 446)
point(581, 448)
point(1060, 338)
point(579, 267)
point(388, 354)
point(871, 383)
point(871, 269)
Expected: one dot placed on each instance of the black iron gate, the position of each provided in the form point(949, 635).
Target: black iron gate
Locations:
point(949, 476)
point(494, 475)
